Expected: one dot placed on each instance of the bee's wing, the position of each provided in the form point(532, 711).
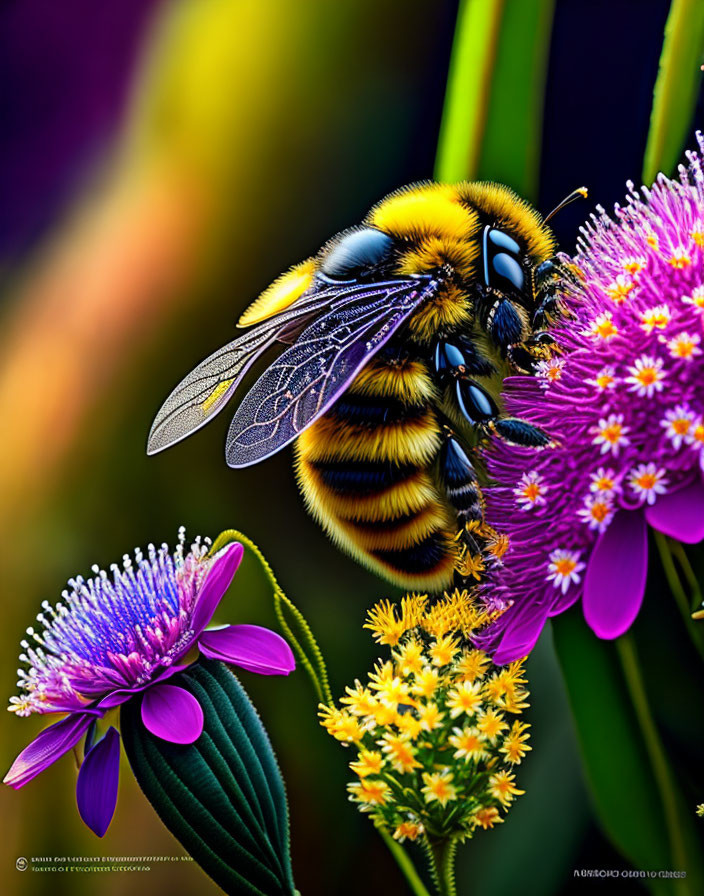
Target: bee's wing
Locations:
point(309, 376)
point(207, 389)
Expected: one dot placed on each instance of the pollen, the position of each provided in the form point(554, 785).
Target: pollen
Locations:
point(698, 236)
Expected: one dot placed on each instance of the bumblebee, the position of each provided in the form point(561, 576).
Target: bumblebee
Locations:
point(394, 342)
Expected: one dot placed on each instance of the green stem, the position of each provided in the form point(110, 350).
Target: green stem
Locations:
point(404, 863)
point(634, 680)
point(676, 87)
point(313, 664)
point(467, 92)
point(441, 859)
point(683, 602)
point(682, 558)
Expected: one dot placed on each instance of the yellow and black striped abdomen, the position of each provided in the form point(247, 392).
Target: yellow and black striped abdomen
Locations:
point(366, 471)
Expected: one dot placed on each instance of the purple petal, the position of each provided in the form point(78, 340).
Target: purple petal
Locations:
point(680, 514)
point(251, 647)
point(521, 634)
point(172, 714)
point(47, 747)
point(96, 788)
point(216, 584)
point(615, 579)
point(122, 695)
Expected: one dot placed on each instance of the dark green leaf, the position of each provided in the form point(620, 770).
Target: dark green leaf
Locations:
point(222, 797)
point(615, 761)
point(676, 87)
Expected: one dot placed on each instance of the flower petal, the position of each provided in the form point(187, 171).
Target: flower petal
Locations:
point(122, 695)
point(47, 747)
point(521, 634)
point(216, 584)
point(172, 714)
point(251, 647)
point(96, 788)
point(680, 514)
point(614, 584)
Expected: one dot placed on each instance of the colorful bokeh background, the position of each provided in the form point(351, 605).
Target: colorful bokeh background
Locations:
point(161, 161)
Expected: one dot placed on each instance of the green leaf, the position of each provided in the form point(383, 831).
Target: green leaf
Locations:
point(510, 149)
point(676, 87)
point(614, 757)
point(493, 117)
point(222, 797)
point(467, 92)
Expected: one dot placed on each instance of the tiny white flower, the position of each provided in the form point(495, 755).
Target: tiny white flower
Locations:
point(647, 481)
point(530, 491)
point(679, 425)
point(598, 511)
point(564, 568)
point(611, 434)
point(646, 376)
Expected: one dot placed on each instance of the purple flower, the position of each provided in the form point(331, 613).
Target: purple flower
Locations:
point(623, 401)
point(122, 636)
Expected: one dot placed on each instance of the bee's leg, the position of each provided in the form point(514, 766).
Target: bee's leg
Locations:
point(460, 480)
point(506, 323)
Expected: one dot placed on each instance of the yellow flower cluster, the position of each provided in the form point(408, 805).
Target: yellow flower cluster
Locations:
point(434, 728)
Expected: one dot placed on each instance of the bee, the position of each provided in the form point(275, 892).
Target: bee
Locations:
point(394, 341)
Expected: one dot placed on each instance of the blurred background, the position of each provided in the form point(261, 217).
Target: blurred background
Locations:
point(161, 161)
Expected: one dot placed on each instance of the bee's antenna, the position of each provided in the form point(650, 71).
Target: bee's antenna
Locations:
point(579, 193)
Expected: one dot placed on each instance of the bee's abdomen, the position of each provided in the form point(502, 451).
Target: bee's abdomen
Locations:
point(365, 470)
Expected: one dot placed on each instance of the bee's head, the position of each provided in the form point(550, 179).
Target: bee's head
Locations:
point(484, 234)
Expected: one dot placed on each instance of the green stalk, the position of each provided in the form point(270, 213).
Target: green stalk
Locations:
point(417, 886)
point(676, 87)
point(663, 779)
point(678, 551)
point(694, 630)
point(314, 664)
point(441, 860)
point(468, 89)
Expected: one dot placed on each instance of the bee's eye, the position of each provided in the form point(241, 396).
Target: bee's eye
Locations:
point(502, 259)
point(508, 267)
point(504, 241)
point(357, 253)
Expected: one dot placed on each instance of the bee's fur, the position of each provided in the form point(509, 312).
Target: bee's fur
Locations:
point(370, 478)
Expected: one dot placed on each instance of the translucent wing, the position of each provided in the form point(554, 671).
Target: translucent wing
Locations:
point(208, 388)
point(309, 376)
